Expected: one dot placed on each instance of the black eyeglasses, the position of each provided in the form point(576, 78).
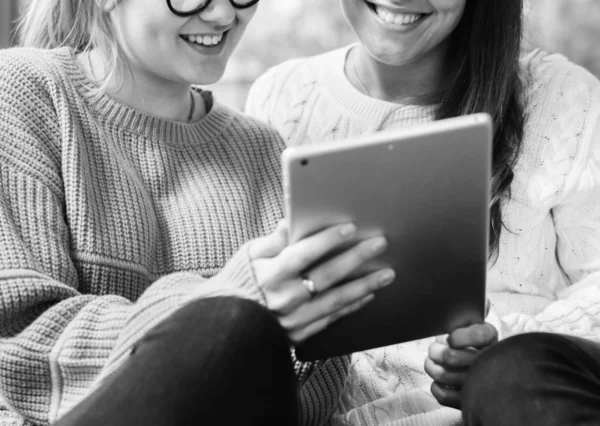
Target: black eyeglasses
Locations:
point(193, 7)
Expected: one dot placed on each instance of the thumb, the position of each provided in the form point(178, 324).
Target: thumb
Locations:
point(442, 339)
point(270, 245)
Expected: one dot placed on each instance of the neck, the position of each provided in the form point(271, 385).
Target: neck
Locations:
point(419, 82)
point(146, 93)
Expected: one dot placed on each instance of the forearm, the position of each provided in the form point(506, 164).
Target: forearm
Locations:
point(57, 356)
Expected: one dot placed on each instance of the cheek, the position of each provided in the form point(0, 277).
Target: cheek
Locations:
point(447, 5)
point(450, 11)
point(350, 10)
point(243, 18)
point(145, 33)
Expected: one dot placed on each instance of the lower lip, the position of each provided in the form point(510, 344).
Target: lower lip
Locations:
point(208, 50)
point(397, 27)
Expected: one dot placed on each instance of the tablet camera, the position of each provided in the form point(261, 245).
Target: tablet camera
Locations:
point(304, 162)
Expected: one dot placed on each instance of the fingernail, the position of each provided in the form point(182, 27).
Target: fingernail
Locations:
point(379, 245)
point(348, 230)
point(387, 277)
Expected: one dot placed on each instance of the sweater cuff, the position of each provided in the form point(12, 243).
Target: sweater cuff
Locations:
point(238, 279)
point(493, 318)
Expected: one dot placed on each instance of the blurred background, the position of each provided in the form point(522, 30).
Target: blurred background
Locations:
point(285, 29)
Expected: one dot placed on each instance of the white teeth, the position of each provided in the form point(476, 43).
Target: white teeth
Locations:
point(204, 40)
point(397, 18)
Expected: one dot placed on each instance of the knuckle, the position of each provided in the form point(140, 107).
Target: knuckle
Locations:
point(289, 322)
point(340, 302)
point(325, 278)
point(444, 397)
point(364, 286)
point(427, 367)
point(480, 335)
point(365, 251)
point(492, 332)
point(444, 376)
point(451, 357)
point(431, 352)
point(431, 369)
point(373, 282)
point(296, 336)
point(278, 303)
point(438, 392)
point(296, 261)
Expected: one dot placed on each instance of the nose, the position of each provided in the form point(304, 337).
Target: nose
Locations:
point(220, 12)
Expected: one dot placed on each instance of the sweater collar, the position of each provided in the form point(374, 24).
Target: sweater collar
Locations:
point(122, 116)
point(362, 107)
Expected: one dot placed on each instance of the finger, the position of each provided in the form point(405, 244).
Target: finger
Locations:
point(341, 266)
point(442, 339)
point(446, 396)
point(444, 355)
point(282, 229)
point(444, 376)
point(270, 245)
point(335, 300)
point(300, 334)
point(476, 335)
point(298, 257)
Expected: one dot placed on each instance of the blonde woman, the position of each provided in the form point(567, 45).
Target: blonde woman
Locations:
point(130, 293)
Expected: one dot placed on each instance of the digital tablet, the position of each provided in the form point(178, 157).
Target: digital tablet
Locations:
point(427, 189)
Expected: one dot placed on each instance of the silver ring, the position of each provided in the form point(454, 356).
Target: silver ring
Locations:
point(309, 285)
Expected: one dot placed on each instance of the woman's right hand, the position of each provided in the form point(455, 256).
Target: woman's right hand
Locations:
point(281, 268)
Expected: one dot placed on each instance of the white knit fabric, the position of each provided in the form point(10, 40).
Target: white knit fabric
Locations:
point(547, 277)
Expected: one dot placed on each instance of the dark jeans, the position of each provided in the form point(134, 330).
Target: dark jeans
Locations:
point(216, 361)
point(535, 379)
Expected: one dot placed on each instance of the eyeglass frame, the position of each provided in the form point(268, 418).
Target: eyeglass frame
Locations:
point(204, 6)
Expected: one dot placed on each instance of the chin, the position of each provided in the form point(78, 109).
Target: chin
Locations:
point(391, 55)
point(209, 76)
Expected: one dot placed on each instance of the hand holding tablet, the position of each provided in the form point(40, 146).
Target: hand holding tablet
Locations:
point(426, 189)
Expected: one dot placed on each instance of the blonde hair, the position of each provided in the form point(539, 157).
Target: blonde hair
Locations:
point(82, 25)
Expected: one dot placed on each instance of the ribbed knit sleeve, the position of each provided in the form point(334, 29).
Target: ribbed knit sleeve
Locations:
point(57, 341)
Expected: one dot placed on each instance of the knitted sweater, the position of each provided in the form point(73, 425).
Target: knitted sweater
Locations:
point(110, 220)
point(547, 276)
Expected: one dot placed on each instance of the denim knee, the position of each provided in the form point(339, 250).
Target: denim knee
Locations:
point(534, 379)
point(225, 324)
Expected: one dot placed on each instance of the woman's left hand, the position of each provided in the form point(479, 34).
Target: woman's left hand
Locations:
point(450, 359)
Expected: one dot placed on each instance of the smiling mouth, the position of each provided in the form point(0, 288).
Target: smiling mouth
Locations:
point(205, 40)
point(394, 17)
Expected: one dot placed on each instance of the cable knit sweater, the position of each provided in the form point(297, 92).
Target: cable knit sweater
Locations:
point(547, 277)
point(110, 220)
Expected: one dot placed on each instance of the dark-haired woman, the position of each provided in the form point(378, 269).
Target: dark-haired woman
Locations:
point(424, 60)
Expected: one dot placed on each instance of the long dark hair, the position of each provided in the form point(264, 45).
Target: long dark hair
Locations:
point(483, 59)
